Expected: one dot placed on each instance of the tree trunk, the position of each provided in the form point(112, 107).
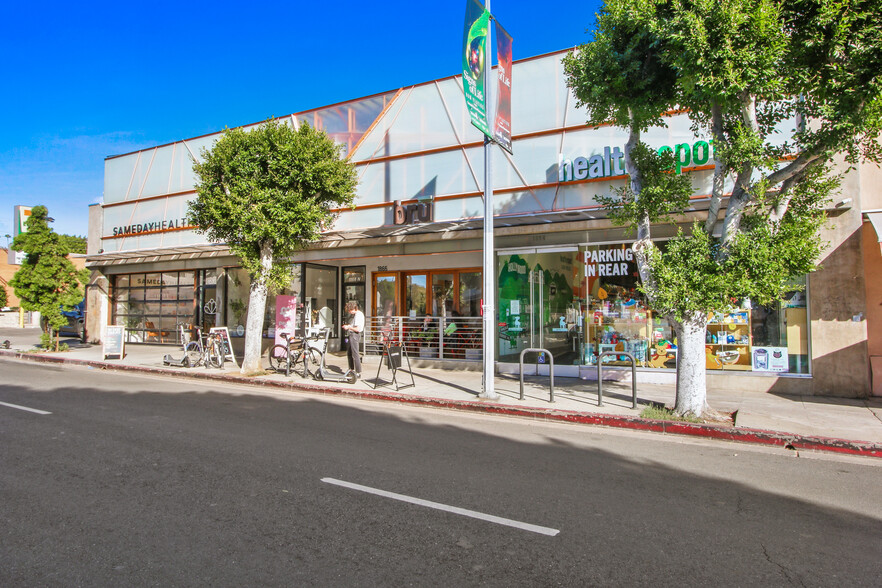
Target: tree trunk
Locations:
point(256, 309)
point(719, 180)
point(691, 367)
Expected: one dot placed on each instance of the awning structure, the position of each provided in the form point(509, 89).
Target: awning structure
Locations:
point(157, 255)
point(875, 219)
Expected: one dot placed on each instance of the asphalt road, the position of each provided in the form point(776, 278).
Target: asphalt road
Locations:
point(153, 481)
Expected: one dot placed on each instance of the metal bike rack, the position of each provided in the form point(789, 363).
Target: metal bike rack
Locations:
point(600, 375)
point(550, 368)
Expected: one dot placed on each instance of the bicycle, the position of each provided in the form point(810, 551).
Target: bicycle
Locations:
point(210, 354)
point(284, 358)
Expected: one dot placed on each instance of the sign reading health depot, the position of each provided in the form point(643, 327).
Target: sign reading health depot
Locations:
point(611, 162)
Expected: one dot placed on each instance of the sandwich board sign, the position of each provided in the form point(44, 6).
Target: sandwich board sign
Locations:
point(114, 341)
point(223, 333)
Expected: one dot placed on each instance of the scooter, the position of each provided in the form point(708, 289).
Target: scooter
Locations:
point(167, 359)
point(323, 373)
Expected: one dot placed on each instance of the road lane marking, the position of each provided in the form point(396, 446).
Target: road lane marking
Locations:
point(454, 509)
point(24, 408)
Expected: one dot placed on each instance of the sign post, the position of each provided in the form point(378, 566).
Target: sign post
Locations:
point(476, 66)
point(114, 342)
point(223, 333)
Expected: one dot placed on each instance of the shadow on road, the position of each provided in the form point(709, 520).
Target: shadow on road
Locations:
point(190, 485)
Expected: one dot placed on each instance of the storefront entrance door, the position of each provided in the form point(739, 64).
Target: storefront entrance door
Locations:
point(537, 304)
point(536, 310)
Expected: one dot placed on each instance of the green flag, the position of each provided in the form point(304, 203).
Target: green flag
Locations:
point(474, 60)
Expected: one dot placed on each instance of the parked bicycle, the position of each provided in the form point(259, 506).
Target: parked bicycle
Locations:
point(205, 350)
point(297, 352)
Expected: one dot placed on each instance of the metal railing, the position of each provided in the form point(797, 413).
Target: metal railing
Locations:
point(600, 375)
point(550, 368)
point(431, 337)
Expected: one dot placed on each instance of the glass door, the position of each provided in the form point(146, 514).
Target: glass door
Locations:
point(385, 294)
point(415, 302)
point(537, 294)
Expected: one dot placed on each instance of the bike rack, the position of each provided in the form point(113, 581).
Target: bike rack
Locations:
point(550, 368)
point(600, 375)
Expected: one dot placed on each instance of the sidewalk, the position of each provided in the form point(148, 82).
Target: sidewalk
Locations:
point(797, 422)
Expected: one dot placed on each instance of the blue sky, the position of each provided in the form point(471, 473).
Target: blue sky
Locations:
point(83, 81)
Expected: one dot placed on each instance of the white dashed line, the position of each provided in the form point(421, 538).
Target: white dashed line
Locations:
point(454, 509)
point(24, 408)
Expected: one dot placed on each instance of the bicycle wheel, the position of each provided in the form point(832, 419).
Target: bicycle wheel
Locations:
point(193, 353)
point(215, 358)
point(277, 356)
point(315, 359)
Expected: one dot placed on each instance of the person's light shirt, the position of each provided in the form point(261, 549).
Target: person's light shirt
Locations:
point(357, 322)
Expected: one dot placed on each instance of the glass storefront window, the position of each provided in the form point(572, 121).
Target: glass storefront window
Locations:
point(582, 302)
point(470, 293)
point(385, 295)
point(321, 294)
point(354, 286)
point(415, 295)
point(152, 306)
point(442, 292)
point(315, 288)
point(539, 303)
point(237, 294)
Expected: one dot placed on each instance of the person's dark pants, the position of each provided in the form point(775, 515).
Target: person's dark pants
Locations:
point(353, 352)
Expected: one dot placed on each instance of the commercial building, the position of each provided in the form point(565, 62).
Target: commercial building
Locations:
point(411, 251)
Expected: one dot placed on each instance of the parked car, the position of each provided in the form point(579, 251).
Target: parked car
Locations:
point(76, 321)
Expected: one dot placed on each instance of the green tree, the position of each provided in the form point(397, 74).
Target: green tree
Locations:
point(267, 193)
point(74, 243)
point(740, 68)
point(47, 281)
point(4, 299)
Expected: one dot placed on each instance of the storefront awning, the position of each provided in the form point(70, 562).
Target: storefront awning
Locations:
point(157, 255)
point(875, 219)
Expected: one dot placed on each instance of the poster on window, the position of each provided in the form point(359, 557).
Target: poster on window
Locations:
point(770, 359)
point(286, 318)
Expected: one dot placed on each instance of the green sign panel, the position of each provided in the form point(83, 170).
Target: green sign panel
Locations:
point(474, 60)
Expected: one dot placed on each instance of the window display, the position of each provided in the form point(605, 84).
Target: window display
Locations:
point(582, 301)
point(151, 306)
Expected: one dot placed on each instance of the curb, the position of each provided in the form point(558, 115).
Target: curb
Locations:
point(742, 435)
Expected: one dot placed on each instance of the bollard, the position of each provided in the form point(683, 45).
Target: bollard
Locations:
point(550, 368)
point(600, 375)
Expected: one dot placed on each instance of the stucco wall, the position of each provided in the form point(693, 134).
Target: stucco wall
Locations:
point(837, 302)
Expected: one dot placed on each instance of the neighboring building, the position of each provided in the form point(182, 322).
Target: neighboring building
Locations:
point(410, 252)
point(7, 270)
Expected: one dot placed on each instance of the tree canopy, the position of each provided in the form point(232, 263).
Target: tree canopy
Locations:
point(74, 243)
point(268, 192)
point(47, 281)
point(742, 70)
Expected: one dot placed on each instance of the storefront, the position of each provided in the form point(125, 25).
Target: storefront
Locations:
point(410, 252)
point(584, 300)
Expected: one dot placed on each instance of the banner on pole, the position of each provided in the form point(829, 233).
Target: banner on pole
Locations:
point(474, 60)
point(502, 127)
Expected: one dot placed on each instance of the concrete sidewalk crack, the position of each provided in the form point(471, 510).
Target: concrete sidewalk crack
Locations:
point(784, 570)
point(872, 412)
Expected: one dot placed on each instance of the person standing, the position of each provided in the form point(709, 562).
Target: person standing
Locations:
point(354, 328)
